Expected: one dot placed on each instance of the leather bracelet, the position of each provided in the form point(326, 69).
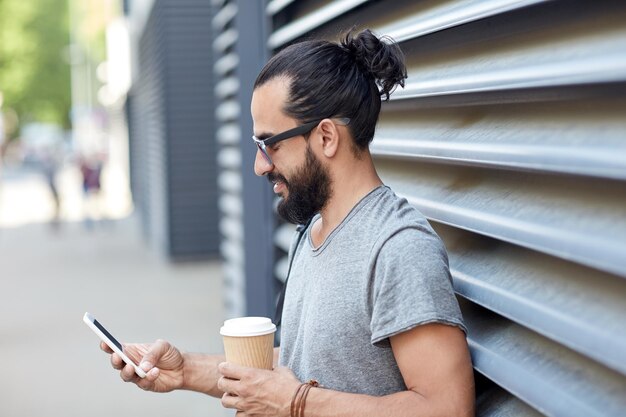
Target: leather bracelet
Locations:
point(312, 383)
point(295, 400)
point(305, 392)
point(299, 399)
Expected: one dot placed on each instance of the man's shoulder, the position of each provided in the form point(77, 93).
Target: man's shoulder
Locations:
point(392, 221)
point(391, 212)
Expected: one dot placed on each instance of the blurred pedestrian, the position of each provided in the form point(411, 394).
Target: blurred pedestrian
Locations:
point(49, 163)
point(91, 171)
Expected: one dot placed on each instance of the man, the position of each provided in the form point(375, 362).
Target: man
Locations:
point(369, 308)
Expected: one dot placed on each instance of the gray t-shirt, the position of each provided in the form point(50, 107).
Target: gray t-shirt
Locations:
point(381, 272)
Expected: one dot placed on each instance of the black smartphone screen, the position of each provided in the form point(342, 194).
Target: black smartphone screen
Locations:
point(109, 335)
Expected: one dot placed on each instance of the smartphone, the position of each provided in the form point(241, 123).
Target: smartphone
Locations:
point(110, 341)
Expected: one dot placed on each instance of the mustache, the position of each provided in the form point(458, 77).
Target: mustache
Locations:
point(274, 178)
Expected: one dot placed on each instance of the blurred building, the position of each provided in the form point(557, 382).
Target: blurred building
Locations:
point(509, 136)
point(171, 127)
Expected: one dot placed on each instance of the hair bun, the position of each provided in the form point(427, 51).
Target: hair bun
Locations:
point(381, 57)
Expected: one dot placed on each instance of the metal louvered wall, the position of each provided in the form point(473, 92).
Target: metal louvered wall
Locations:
point(146, 134)
point(510, 136)
point(173, 152)
point(230, 183)
point(245, 201)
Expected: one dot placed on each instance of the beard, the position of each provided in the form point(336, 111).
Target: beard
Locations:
point(308, 190)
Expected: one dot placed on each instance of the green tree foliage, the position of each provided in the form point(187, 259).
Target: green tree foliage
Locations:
point(34, 69)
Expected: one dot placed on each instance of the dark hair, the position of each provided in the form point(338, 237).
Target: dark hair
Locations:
point(339, 80)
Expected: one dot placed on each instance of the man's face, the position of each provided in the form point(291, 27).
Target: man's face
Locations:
point(297, 174)
point(308, 190)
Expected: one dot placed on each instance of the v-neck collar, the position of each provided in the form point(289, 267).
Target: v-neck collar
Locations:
point(357, 207)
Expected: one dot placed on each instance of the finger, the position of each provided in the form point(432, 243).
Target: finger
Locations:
point(153, 374)
point(128, 374)
point(117, 362)
point(232, 371)
point(147, 383)
point(230, 401)
point(228, 386)
point(154, 354)
point(105, 347)
point(134, 351)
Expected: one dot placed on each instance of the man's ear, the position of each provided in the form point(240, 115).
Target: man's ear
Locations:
point(329, 137)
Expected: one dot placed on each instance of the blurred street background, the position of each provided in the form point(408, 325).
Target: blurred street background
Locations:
point(52, 270)
point(51, 276)
point(70, 240)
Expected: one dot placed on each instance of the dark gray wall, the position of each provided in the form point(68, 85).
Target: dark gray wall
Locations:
point(173, 152)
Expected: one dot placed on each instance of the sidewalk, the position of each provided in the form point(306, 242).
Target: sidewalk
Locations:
point(52, 365)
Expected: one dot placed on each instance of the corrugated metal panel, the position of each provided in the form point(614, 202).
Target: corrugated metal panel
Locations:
point(522, 285)
point(276, 6)
point(231, 208)
point(496, 402)
point(227, 113)
point(240, 51)
point(557, 381)
point(257, 196)
point(448, 15)
point(528, 142)
point(310, 21)
point(172, 146)
point(191, 143)
point(510, 137)
point(147, 138)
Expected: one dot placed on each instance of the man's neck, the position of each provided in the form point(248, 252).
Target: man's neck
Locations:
point(350, 184)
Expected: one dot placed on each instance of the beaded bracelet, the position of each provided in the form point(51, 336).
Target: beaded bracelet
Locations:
point(299, 398)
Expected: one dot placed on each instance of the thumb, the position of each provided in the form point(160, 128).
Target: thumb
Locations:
point(154, 354)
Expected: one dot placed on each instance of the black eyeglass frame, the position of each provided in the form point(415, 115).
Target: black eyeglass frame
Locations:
point(262, 144)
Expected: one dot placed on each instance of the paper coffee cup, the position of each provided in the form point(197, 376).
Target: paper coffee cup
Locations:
point(249, 341)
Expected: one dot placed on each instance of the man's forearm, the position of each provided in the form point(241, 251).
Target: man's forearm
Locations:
point(326, 403)
point(200, 373)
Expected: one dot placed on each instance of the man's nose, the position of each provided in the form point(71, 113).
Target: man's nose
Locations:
point(261, 165)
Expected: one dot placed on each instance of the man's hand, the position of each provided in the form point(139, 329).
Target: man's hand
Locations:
point(257, 392)
point(162, 363)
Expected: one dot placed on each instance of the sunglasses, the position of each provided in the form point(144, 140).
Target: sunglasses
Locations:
point(262, 144)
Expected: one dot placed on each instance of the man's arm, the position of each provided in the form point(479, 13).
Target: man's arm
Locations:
point(433, 359)
point(200, 373)
point(168, 369)
point(436, 367)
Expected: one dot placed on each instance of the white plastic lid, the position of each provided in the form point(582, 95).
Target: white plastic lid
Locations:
point(247, 326)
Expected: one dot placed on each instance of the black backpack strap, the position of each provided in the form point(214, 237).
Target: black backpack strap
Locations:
point(301, 229)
